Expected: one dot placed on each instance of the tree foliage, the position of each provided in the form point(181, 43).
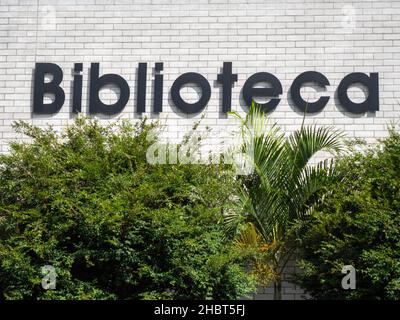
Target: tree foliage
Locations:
point(358, 224)
point(113, 226)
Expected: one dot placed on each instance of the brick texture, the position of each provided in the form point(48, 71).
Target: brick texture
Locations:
point(285, 38)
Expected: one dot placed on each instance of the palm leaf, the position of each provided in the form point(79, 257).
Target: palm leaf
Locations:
point(283, 185)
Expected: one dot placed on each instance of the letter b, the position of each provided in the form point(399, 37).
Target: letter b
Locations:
point(41, 87)
point(96, 83)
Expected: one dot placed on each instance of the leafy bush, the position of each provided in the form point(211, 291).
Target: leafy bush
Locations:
point(357, 224)
point(113, 226)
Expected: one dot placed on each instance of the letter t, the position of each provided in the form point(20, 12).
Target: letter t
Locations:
point(226, 78)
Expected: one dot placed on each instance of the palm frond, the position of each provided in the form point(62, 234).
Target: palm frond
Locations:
point(249, 237)
point(304, 143)
point(311, 180)
point(283, 185)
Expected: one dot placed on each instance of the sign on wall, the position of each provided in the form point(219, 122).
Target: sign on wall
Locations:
point(226, 79)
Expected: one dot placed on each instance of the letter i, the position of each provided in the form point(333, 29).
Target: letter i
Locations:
point(158, 88)
point(77, 88)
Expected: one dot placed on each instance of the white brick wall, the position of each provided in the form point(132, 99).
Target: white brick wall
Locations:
point(289, 290)
point(283, 37)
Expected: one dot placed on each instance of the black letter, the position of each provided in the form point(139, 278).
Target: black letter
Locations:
point(198, 80)
point(40, 88)
point(371, 83)
point(158, 88)
point(141, 88)
point(306, 77)
point(77, 89)
point(96, 83)
point(226, 78)
point(249, 92)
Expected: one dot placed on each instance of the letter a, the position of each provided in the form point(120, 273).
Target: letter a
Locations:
point(349, 280)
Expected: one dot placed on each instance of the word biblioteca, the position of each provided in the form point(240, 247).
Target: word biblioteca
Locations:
point(254, 87)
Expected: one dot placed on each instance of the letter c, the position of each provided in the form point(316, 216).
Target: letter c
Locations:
point(307, 77)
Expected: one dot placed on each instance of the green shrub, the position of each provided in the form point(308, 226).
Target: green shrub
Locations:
point(357, 224)
point(87, 202)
